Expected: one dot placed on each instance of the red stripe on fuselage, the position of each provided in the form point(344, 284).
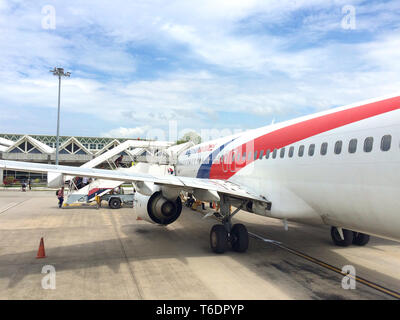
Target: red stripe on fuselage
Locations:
point(302, 130)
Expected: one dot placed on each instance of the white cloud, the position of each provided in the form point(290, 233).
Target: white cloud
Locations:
point(127, 132)
point(232, 56)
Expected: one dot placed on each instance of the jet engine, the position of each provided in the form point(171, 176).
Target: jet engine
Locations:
point(156, 208)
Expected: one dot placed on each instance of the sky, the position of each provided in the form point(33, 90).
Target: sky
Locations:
point(140, 68)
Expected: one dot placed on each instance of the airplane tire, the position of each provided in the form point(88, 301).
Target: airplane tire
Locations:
point(239, 238)
point(337, 240)
point(114, 203)
point(218, 238)
point(360, 239)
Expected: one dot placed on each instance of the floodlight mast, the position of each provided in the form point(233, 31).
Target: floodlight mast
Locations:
point(60, 73)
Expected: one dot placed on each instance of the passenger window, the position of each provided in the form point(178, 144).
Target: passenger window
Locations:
point(244, 156)
point(255, 155)
point(267, 154)
point(261, 154)
point(311, 149)
point(282, 152)
point(338, 147)
point(274, 153)
point(291, 151)
point(353, 145)
point(249, 156)
point(301, 151)
point(368, 144)
point(324, 148)
point(386, 142)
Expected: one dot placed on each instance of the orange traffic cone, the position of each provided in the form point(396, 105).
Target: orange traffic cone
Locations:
point(41, 253)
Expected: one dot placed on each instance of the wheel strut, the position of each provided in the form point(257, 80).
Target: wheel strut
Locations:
point(222, 234)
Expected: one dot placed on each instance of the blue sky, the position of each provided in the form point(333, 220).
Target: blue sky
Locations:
point(215, 64)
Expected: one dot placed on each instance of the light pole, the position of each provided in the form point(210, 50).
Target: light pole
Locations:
point(60, 73)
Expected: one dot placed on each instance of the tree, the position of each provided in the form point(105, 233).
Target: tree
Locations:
point(190, 136)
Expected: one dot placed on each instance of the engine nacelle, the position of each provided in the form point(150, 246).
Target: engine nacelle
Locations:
point(156, 208)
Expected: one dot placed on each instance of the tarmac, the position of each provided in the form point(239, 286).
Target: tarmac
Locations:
point(108, 254)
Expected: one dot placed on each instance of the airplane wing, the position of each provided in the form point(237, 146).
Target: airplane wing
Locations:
point(184, 183)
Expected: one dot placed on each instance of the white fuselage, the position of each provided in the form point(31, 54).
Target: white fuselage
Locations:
point(354, 189)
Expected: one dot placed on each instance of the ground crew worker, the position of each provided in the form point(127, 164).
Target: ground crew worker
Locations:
point(118, 161)
point(60, 196)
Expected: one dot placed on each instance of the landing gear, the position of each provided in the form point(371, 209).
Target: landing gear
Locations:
point(223, 234)
point(337, 239)
point(219, 238)
point(350, 237)
point(360, 239)
point(239, 238)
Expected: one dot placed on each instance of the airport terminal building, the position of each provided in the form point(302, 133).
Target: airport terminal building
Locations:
point(73, 151)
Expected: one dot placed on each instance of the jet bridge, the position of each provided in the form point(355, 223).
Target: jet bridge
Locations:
point(123, 147)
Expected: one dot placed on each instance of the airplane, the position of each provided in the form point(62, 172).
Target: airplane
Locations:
point(338, 167)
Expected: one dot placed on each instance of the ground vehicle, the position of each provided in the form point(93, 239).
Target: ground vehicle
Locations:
point(116, 201)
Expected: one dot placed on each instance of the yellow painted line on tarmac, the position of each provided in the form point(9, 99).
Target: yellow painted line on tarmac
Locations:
point(11, 205)
point(366, 282)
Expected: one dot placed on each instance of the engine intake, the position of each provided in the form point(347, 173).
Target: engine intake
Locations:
point(157, 208)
